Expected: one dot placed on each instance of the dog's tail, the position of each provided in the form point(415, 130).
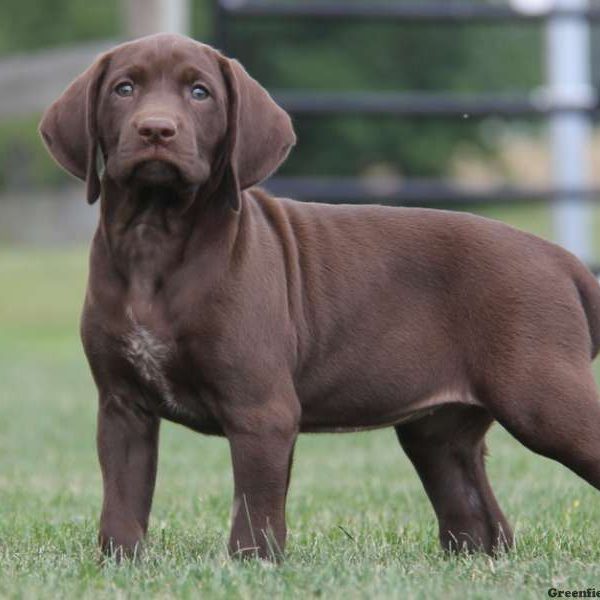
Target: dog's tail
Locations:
point(589, 293)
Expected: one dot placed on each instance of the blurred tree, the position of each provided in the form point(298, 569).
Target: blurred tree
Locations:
point(31, 24)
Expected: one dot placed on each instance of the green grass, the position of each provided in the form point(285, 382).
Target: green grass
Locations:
point(360, 524)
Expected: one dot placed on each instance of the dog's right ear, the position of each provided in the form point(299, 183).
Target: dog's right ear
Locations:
point(69, 127)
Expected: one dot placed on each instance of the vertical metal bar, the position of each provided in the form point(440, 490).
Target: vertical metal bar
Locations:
point(569, 81)
point(144, 17)
point(220, 32)
point(176, 15)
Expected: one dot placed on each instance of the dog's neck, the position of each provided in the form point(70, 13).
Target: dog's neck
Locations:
point(149, 233)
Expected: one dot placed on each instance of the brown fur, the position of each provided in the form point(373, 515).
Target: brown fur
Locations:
point(214, 305)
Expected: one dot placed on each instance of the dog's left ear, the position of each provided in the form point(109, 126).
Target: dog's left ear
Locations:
point(260, 133)
point(69, 127)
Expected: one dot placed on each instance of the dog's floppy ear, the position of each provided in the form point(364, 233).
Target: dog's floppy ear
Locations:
point(260, 133)
point(69, 128)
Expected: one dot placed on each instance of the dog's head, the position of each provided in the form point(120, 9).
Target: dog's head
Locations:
point(167, 111)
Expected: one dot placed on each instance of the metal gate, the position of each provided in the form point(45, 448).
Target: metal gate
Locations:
point(568, 102)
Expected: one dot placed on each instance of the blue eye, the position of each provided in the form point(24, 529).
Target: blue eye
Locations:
point(124, 89)
point(199, 92)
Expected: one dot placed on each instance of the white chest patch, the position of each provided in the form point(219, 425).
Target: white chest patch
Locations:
point(149, 356)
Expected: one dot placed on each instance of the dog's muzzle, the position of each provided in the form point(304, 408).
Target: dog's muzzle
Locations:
point(156, 172)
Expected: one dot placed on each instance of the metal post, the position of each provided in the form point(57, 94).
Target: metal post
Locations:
point(144, 17)
point(569, 80)
point(220, 29)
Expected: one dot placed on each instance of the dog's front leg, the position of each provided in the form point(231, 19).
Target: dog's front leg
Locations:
point(262, 461)
point(128, 452)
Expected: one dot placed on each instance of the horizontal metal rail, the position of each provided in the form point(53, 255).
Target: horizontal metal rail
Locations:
point(415, 192)
point(430, 105)
point(437, 12)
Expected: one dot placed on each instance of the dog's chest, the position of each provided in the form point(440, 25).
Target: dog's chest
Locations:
point(149, 348)
point(149, 356)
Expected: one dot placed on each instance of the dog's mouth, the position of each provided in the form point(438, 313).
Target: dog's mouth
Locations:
point(158, 192)
point(156, 173)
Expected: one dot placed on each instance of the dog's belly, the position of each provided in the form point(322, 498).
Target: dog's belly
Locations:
point(179, 402)
point(352, 401)
point(349, 413)
point(344, 410)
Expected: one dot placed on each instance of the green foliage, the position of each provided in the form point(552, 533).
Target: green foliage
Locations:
point(34, 24)
point(24, 163)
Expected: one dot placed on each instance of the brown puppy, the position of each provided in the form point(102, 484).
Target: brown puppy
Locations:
point(216, 306)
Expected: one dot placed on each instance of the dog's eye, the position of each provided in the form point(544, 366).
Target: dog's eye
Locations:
point(124, 89)
point(199, 92)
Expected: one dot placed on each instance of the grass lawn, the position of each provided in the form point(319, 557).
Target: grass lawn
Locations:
point(360, 524)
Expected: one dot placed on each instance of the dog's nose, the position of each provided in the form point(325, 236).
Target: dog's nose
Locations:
point(157, 129)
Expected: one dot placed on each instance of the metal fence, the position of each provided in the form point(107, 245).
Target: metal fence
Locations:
point(568, 101)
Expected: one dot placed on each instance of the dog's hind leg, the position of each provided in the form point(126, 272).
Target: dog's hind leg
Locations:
point(552, 407)
point(447, 450)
